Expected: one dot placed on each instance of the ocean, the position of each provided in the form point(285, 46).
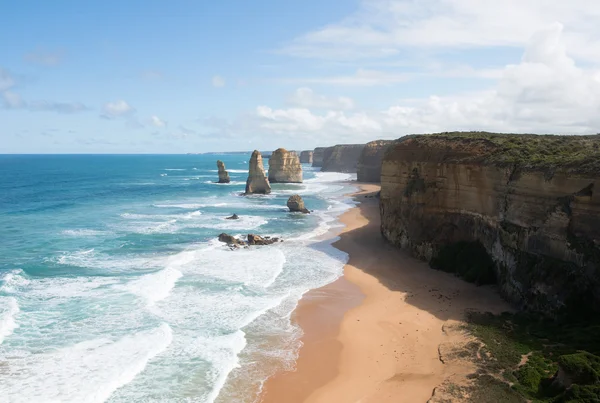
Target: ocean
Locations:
point(113, 287)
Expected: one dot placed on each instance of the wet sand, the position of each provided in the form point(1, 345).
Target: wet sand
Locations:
point(377, 333)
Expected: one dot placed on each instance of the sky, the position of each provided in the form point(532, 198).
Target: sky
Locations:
point(183, 76)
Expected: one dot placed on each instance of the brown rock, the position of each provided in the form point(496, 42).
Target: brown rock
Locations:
point(258, 240)
point(342, 158)
point(296, 204)
point(306, 157)
point(233, 217)
point(257, 182)
point(318, 157)
point(230, 240)
point(538, 220)
point(284, 167)
point(223, 174)
point(369, 163)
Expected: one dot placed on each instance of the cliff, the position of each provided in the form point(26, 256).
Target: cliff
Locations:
point(306, 157)
point(342, 158)
point(223, 174)
point(284, 167)
point(519, 210)
point(257, 182)
point(369, 163)
point(318, 157)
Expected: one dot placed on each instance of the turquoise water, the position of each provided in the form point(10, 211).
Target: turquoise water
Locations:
point(113, 288)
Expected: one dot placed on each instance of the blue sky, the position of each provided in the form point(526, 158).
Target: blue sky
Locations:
point(189, 76)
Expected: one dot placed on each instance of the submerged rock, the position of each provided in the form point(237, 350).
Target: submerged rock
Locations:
point(306, 157)
point(258, 240)
point(296, 204)
point(284, 167)
point(233, 217)
point(223, 174)
point(257, 182)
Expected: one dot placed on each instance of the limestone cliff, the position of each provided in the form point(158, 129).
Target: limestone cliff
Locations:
point(369, 163)
point(306, 157)
point(318, 157)
point(342, 158)
point(284, 167)
point(223, 174)
point(257, 182)
point(530, 202)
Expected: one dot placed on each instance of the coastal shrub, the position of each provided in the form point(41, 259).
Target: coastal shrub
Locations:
point(529, 378)
point(582, 368)
point(468, 260)
point(579, 394)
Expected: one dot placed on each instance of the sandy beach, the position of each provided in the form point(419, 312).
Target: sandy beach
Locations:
point(380, 332)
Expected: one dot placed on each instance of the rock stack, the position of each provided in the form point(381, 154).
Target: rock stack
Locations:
point(296, 204)
point(223, 174)
point(306, 157)
point(284, 167)
point(257, 182)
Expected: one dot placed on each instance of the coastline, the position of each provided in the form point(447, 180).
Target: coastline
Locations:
point(377, 334)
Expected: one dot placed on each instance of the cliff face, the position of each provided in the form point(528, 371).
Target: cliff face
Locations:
point(257, 182)
point(369, 163)
point(284, 167)
point(342, 158)
point(318, 157)
point(306, 157)
point(223, 174)
point(535, 210)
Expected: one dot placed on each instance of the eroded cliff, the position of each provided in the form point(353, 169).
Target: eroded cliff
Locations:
point(284, 167)
point(341, 158)
point(306, 157)
point(318, 157)
point(529, 202)
point(369, 163)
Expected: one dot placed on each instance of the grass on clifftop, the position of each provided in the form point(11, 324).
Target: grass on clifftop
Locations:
point(521, 355)
point(580, 154)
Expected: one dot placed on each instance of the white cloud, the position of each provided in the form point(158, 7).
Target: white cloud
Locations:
point(117, 109)
point(12, 100)
point(384, 28)
point(45, 58)
point(7, 81)
point(547, 92)
point(218, 81)
point(157, 122)
point(307, 98)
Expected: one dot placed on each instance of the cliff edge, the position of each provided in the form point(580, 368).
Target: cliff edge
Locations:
point(522, 211)
point(369, 163)
point(342, 158)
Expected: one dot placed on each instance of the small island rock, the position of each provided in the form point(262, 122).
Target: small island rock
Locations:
point(296, 204)
point(223, 174)
point(257, 182)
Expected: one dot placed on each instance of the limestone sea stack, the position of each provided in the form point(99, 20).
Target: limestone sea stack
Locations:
point(257, 182)
point(369, 163)
point(223, 174)
point(296, 204)
point(306, 157)
point(522, 211)
point(284, 167)
point(342, 158)
point(318, 157)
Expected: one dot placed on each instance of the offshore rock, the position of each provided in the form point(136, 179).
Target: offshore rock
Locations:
point(306, 157)
point(285, 167)
point(257, 182)
point(342, 158)
point(230, 240)
point(369, 163)
point(233, 217)
point(318, 157)
point(258, 240)
point(223, 174)
point(531, 203)
point(296, 204)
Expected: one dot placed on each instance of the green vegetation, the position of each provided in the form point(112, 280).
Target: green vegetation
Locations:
point(468, 260)
point(521, 356)
point(578, 154)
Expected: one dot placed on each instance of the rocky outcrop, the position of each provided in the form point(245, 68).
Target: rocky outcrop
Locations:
point(318, 157)
point(342, 158)
point(233, 217)
point(259, 241)
point(369, 163)
point(223, 174)
point(531, 203)
point(230, 240)
point(284, 167)
point(253, 240)
point(257, 182)
point(306, 157)
point(296, 204)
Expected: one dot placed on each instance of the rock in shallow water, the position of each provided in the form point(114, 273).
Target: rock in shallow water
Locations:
point(296, 204)
point(233, 217)
point(257, 182)
point(223, 174)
